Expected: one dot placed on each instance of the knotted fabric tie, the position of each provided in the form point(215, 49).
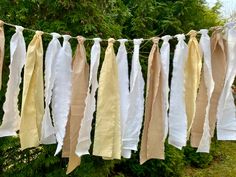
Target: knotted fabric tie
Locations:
point(80, 79)
point(152, 144)
point(165, 62)
point(200, 132)
point(48, 131)
point(134, 120)
point(107, 139)
point(219, 64)
point(192, 77)
point(177, 113)
point(62, 91)
point(124, 87)
point(11, 117)
point(84, 140)
point(32, 100)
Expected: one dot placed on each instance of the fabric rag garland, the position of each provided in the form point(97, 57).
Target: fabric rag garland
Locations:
point(198, 99)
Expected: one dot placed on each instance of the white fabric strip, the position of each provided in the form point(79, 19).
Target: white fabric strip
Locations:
point(62, 91)
point(205, 45)
point(177, 113)
point(226, 118)
point(48, 132)
point(136, 105)
point(11, 118)
point(84, 140)
point(165, 61)
point(123, 75)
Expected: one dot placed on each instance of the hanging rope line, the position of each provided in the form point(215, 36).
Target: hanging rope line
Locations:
point(91, 39)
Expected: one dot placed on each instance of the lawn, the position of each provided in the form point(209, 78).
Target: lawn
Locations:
point(223, 165)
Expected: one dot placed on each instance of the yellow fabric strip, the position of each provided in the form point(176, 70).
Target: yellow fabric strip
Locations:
point(107, 140)
point(192, 77)
point(2, 45)
point(80, 80)
point(152, 144)
point(32, 100)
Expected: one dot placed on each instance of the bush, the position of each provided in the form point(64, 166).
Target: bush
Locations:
point(200, 160)
point(172, 165)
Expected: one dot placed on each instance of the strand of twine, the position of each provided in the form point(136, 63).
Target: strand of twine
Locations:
point(130, 40)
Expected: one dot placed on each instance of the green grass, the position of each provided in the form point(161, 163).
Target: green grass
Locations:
point(223, 165)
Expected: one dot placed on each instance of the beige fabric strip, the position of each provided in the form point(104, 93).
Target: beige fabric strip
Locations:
point(219, 66)
point(152, 144)
point(80, 79)
point(201, 103)
point(66, 141)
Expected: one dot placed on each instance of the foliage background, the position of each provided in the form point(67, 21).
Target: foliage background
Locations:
point(103, 18)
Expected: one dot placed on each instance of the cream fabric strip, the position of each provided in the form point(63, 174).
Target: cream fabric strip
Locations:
point(80, 82)
point(107, 139)
point(152, 143)
point(219, 64)
point(48, 131)
point(177, 113)
point(62, 91)
point(32, 101)
point(2, 45)
point(165, 61)
point(136, 100)
point(11, 117)
point(84, 140)
point(200, 132)
point(123, 75)
point(192, 77)
point(226, 111)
